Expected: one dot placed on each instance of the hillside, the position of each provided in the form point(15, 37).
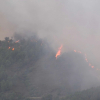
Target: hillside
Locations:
point(90, 94)
point(29, 69)
point(17, 60)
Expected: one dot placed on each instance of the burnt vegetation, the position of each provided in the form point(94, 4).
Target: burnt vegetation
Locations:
point(29, 71)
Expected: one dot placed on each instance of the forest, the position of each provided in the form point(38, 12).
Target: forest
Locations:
point(30, 71)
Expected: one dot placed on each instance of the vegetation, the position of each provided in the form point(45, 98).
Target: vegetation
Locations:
point(17, 58)
point(90, 94)
point(20, 60)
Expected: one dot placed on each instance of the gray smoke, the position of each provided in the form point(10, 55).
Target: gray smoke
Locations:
point(73, 23)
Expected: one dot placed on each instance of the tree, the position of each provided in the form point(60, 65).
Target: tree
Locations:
point(6, 38)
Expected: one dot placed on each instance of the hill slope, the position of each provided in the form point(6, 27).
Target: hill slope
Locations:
point(28, 68)
point(90, 94)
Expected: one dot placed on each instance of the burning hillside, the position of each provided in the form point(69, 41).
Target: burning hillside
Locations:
point(59, 51)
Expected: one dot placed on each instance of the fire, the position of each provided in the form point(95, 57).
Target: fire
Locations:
point(86, 59)
point(9, 47)
point(92, 66)
point(17, 41)
point(13, 49)
point(74, 50)
point(85, 56)
point(59, 51)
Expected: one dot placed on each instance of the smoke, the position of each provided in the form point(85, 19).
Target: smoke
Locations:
point(6, 28)
point(73, 23)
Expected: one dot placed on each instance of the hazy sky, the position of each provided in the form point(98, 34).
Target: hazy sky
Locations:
point(73, 23)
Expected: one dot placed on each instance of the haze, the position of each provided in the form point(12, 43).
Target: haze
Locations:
point(73, 23)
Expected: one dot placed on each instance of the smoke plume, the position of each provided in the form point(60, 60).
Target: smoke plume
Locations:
point(73, 23)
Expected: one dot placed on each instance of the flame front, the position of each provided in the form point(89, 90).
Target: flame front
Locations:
point(13, 49)
point(9, 47)
point(17, 41)
point(86, 60)
point(59, 51)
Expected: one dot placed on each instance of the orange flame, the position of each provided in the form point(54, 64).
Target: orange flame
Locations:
point(92, 66)
point(79, 52)
point(85, 56)
point(13, 49)
point(86, 59)
point(74, 50)
point(9, 47)
point(17, 41)
point(59, 51)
